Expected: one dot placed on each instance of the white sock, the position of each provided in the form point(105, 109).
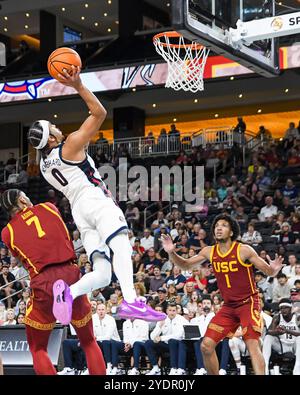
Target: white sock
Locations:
point(109, 365)
point(100, 277)
point(123, 265)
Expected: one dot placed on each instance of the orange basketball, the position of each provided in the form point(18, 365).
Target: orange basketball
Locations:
point(62, 58)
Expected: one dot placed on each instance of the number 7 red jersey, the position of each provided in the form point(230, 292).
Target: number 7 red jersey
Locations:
point(39, 237)
point(235, 278)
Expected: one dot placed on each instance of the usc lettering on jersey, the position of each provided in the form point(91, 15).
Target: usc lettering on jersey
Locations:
point(235, 278)
point(39, 237)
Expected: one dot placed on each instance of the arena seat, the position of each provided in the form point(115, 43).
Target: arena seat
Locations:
point(285, 361)
point(293, 248)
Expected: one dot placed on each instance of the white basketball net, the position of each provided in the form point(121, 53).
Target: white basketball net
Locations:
point(186, 62)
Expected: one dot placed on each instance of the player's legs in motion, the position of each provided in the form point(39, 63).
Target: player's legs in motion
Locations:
point(210, 359)
point(257, 359)
point(100, 277)
point(93, 353)
point(122, 263)
point(38, 343)
point(270, 342)
point(101, 274)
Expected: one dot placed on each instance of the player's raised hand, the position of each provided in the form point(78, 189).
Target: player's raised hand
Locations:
point(71, 79)
point(167, 243)
point(276, 264)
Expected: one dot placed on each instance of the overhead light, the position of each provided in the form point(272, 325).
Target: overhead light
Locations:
point(83, 18)
point(96, 23)
point(240, 95)
point(196, 101)
point(286, 90)
point(168, 4)
point(86, 5)
point(232, 78)
point(109, 1)
point(109, 30)
point(105, 14)
point(5, 29)
point(280, 3)
point(174, 119)
point(6, 18)
point(27, 15)
point(26, 26)
point(116, 22)
point(153, 105)
point(63, 9)
point(216, 115)
point(55, 115)
point(49, 99)
point(281, 139)
point(133, 89)
point(259, 110)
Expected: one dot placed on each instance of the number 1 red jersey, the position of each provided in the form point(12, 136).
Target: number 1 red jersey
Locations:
point(235, 278)
point(39, 237)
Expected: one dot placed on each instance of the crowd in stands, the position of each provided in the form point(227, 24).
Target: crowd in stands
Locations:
point(263, 196)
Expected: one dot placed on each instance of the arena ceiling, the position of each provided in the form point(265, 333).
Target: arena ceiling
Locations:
point(94, 16)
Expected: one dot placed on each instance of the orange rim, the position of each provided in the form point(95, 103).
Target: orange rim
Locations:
point(195, 46)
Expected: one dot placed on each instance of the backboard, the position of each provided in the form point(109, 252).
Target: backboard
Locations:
point(208, 22)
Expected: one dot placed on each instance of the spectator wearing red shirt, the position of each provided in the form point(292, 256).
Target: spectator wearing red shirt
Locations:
point(200, 282)
point(137, 247)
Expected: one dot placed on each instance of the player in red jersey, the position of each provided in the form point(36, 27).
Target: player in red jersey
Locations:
point(38, 236)
point(233, 267)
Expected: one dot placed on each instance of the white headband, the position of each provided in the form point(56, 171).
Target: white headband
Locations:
point(46, 133)
point(285, 304)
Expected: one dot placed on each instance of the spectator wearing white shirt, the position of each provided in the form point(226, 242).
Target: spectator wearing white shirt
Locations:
point(252, 237)
point(202, 321)
point(160, 220)
point(77, 243)
point(174, 232)
point(166, 336)
point(105, 331)
point(147, 241)
point(13, 265)
point(10, 318)
point(269, 210)
point(292, 132)
point(295, 277)
point(289, 270)
point(282, 289)
point(135, 334)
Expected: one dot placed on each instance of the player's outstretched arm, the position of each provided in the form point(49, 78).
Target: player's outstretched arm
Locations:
point(77, 140)
point(271, 269)
point(183, 263)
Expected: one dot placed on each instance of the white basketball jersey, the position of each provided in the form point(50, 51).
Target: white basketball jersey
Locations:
point(292, 325)
point(72, 179)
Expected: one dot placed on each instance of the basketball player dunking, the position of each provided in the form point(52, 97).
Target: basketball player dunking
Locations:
point(233, 267)
point(101, 223)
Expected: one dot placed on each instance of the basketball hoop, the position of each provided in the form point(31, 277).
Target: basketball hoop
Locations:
point(186, 61)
